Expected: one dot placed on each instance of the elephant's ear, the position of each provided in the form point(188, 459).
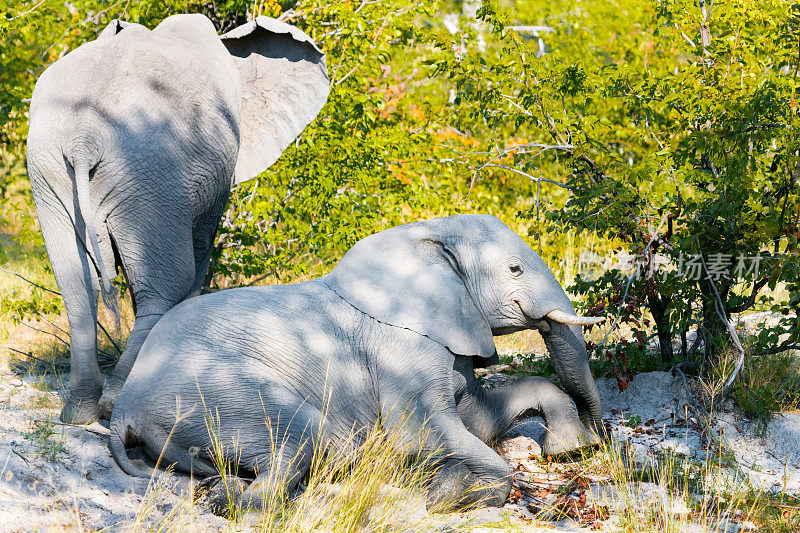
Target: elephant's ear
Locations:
point(116, 26)
point(410, 278)
point(284, 86)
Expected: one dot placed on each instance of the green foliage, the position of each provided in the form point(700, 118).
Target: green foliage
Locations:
point(354, 167)
point(661, 129)
point(20, 299)
point(673, 129)
point(633, 421)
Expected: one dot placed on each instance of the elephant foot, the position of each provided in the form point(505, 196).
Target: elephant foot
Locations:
point(107, 401)
point(454, 487)
point(221, 497)
point(81, 411)
point(568, 439)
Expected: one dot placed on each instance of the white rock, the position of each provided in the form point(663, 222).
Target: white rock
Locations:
point(782, 438)
point(651, 395)
point(520, 448)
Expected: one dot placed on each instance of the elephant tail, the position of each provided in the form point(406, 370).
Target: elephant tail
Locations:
point(119, 431)
point(87, 213)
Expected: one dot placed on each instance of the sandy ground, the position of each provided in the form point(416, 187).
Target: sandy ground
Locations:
point(69, 479)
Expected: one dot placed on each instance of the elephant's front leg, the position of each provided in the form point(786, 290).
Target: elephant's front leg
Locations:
point(469, 473)
point(489, 413)
point(417, 402)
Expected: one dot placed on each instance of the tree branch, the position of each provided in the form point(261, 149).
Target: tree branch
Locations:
point(752, 299)
point(111, 340)
point(631, 278)
point(23, 278)
point(34, 328)
point(782, 347)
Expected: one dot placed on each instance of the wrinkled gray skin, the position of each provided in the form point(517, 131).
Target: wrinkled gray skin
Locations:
point(394, 330)
point(135, 141)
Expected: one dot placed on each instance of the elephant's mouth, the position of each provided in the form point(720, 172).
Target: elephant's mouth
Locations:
point(556, 315)
point(531, 322)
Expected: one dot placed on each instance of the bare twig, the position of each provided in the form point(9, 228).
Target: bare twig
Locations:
point(23, 278)
point(34, 328)
point(696, 344)
point(62, 330)
point(102, 328)
point(751, 300)
point(534, 30)
point(28, 12)
point(705, 32)
point(290, 14)
point(521, 173)
point(719, 307)
point(20, 456)
point(647, 123)
point(270, 273)
point(341, 80)
point(517, 148)
point(108, 336)
point(10, 349)
point(538, 192)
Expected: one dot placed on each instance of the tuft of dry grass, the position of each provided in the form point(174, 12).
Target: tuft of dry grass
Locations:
point(612, 490)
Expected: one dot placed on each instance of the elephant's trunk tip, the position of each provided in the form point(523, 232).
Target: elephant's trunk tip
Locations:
point(574, 320)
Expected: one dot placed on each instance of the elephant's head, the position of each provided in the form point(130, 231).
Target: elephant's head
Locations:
point(461, 279)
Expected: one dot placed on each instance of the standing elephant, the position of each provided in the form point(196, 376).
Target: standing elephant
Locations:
point(392, 331)
point(135, 141)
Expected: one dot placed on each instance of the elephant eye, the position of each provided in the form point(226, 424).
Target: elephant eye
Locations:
point(516, 270)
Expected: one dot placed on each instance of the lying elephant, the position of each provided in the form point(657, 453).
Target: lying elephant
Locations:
point(390, 335)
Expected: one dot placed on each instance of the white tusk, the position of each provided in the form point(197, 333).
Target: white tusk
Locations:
point(565, 318)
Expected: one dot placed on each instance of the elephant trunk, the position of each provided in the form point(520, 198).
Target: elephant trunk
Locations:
point(567, 349)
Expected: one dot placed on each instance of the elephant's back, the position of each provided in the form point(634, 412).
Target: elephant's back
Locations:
point(253, 332)
point(182, 59)
point(157, 94)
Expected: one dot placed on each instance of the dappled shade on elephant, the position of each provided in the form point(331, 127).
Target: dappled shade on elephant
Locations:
point(390, 336)
point(135, 141)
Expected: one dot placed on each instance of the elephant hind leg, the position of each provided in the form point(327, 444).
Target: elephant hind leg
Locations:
point(277, 443)
point(160, 277)
point(203, 240)
point(281, 478)
point(278, 479)
point(77, 279)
